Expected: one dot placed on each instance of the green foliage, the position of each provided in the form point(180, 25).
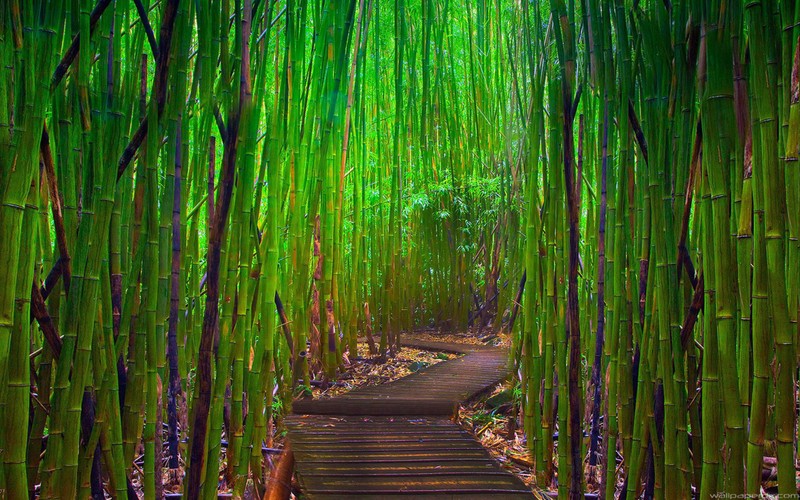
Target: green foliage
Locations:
point(159, 190)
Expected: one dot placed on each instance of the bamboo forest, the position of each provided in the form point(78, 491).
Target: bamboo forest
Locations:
point(217, 215)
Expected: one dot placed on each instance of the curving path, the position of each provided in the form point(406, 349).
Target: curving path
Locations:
point(399, 439)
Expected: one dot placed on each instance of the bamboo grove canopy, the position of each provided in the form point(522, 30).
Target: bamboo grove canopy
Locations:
point(173, 170)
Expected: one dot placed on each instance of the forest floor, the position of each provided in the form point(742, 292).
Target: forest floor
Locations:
point(488, 419)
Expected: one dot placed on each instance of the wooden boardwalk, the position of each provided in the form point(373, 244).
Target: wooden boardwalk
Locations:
point(399, 439)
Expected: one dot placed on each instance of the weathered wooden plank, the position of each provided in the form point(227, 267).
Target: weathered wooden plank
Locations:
point(352, 406)
point(458, 444)
point(399, 461)
point(435, 496)
point(442, 466)
point(389, 455)
point(315, 491)
point(387, 440)
point(386, 433)
point(408, 474)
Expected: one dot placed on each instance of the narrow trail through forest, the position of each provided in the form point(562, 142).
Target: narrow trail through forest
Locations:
point(399, 439)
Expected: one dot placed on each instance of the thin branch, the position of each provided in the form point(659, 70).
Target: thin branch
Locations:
point(39, 311)
point(159, 92)
point(683, 252)
point(637, 129)
point(691, 316)
point(223, 131)
point(58, 214)
point(148, 29)
point(72, 51)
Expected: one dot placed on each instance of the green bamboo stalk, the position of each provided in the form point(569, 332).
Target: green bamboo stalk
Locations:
point(770, 181)
point(717, 110)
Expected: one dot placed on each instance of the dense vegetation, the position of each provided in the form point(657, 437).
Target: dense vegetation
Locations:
point(204, 204)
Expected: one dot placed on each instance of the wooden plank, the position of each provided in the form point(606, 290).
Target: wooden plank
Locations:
point(386, 432)
point(419, 496)
point(327, 423)
point(466, 484)
point(478, 494)
point(452, 482)
point(459, 444)
point(389, 455)
point(386, 440)
point(442, 466)
point(399, 461)
point(353, 407)
point(407, 474)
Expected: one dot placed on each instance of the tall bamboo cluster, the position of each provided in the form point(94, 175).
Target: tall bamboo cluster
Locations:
point(204, 205)
point(660, 344)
